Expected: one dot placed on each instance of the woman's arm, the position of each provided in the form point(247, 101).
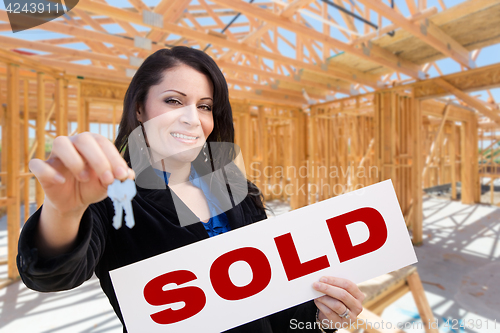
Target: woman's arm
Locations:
point(57, 231)
point(72, 267)
point(54, 243)
point(77, 174)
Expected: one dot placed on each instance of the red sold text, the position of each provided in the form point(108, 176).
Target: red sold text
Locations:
point(195, 299)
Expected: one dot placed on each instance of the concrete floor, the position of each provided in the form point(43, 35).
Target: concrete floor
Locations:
point(458, 264)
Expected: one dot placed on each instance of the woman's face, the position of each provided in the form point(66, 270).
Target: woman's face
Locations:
point(178, 114)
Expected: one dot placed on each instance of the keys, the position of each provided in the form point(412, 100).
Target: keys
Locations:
point(122, 194)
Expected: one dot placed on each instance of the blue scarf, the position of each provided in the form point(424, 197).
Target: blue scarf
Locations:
point(218, 223)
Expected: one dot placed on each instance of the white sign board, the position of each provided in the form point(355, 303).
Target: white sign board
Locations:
point(358, 236)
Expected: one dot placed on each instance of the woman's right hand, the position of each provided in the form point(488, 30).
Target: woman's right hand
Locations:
point(78, 172)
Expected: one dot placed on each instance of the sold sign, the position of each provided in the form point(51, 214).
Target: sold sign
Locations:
point(265, 267)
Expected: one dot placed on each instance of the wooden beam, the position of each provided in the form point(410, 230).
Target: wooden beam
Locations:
point(131, 31)
point(40, 132)
point(453, 160)
point(416, 171)
point(217, 19)
point(471, 101)
point(61, 110)
point(263, 142)
point(467, 81)
point(262, 87)
point(485, 150)
point(427, 32)
point(5, 27)
point(56, 41)
point(469, 161)
point(96, 45)
point(25, 62)
point(368, 150)
point(463, 9)
point(171, 10)
point(26, 151)
point(422, 303)
point(33, 45)
point(457, 112)
point(418, 16)
point(262, 100)
point(139, 5)
point(85, 70)
point(89, 20)
point(164, 5)
point(294, 6)
point(347, 18)
point(411, 6)
point(437, 141)
point(13, 162)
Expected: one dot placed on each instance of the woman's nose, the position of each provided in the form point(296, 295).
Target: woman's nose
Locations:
point(190, 115)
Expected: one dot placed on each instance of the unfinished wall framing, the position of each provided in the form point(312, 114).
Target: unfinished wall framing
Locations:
point(391, 134)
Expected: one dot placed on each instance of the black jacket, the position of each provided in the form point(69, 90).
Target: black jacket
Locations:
point(100, 248)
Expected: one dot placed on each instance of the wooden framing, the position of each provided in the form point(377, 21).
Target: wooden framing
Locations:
point(334, 166)
point(382, 291)
point(427, 31)
point(391, 132)
point(396, 155)
point(488, 161)
point(13, 162)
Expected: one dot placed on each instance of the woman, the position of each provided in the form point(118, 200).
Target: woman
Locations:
point(179, 100)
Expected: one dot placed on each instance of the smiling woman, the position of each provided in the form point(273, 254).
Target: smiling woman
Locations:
point(177, 118)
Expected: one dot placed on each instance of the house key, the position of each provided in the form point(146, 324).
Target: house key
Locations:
point(122, 194)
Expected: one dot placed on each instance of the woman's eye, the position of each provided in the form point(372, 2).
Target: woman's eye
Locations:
point(205, 107)
point(173, 101)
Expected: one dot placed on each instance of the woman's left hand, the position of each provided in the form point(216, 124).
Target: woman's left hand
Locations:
point(342, 298)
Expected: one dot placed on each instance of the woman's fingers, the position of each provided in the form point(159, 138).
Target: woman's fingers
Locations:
point(93, 154)
point(343, 290)
point(65, 151)
point(342, 302)
point(338, 293)
point(45, 173)
point(100, 160)
point(86, 156)
point(345, 284)
point(119, 167)
point(324, 309)
point(334, 305)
